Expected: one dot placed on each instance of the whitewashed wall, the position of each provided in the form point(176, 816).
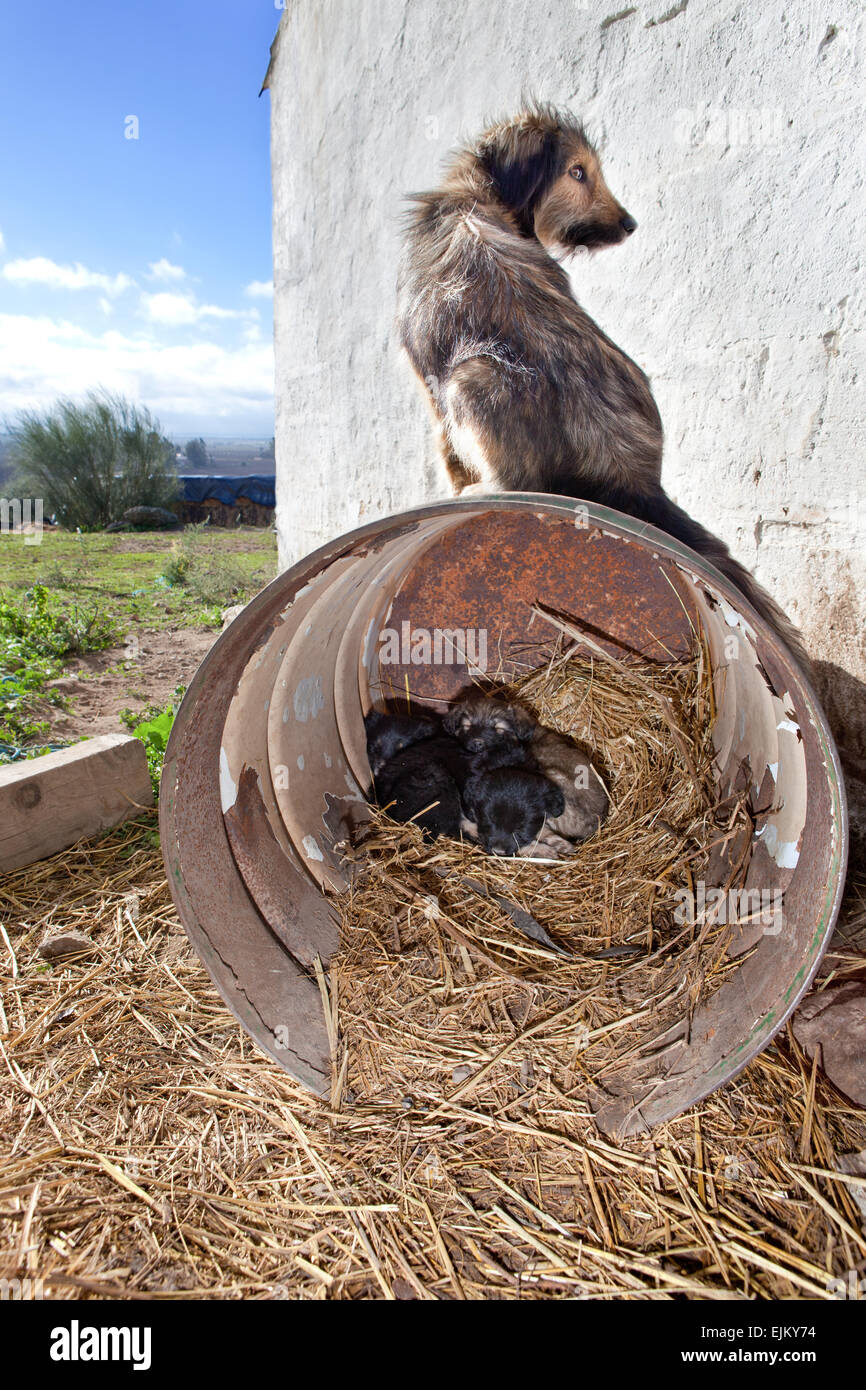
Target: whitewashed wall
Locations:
point(733, 132)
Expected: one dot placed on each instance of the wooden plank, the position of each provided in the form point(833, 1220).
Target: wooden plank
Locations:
point(48, 803)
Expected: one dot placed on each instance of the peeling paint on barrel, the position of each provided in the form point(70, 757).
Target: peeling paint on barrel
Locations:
point(309, 698)
point(228, 785)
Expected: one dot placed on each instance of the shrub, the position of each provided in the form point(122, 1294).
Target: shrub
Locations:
point(90, 462)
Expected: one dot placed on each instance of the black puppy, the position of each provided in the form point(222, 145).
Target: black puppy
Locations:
point(509, 807)
point(389, 734)
point(423, 783)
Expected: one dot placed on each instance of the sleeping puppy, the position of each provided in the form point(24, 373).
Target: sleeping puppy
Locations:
point(509, 808)
point(502, 733)
point(389, 734)
point(585, 797)
point(495, 732)
point(427, 777)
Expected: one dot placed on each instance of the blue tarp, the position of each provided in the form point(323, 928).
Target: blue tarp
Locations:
point(257, 487)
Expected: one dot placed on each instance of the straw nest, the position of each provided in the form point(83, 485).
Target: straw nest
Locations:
point(148, 1151)
point(591, 959)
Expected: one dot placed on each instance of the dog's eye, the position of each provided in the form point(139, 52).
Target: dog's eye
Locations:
point(578, 172)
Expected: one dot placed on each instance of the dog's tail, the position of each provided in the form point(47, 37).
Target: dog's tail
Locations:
point(660, 511)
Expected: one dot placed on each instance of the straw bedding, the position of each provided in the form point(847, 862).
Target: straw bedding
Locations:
point(147, 1150)
point(622, 953)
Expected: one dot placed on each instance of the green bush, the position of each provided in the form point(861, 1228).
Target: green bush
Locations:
point(90, 462)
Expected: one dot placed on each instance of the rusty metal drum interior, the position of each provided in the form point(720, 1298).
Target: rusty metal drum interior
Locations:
point(266, 768)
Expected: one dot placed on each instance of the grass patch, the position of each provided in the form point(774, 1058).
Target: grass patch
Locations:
point(212, 578)
point(37, 631)
point(75, 593)
point(123, 573)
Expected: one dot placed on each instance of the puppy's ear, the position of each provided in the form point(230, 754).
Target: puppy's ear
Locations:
point(521, 158)
point(523, 723)
point(553, 800)
point(451, 721)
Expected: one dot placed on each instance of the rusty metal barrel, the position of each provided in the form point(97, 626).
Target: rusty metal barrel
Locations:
point(266, 767)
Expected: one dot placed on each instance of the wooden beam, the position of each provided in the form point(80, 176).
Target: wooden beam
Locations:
point(48, 803)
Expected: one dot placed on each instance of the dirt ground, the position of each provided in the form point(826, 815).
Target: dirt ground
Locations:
point(101, 684)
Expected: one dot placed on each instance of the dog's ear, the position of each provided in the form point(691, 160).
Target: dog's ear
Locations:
point(553, 800)
point(451, 721)
point(521, 158)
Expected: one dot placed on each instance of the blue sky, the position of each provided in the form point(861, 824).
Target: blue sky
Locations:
point(142, 264)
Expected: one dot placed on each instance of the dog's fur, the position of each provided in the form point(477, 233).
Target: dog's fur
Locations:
point(529, 393)
point(509, 807)
point(389, 734)
point(586, 800)
point(500, 733)
point(427, 777)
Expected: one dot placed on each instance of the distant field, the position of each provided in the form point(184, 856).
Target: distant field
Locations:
point(232, 456)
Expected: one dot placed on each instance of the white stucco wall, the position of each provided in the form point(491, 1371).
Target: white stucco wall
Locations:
point(733, 132)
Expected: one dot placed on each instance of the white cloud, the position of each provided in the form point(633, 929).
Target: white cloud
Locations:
point(2, 242)
point(169, 308)
point(182, 309)
point(39, 270)
point(260, 289)
point(106, 306)
point(43, 358)
point(213, 311)
point(164, 270)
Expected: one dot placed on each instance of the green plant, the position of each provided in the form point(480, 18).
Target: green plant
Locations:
point(36, 632)
point(92, 461)
point(41, 626)
point(153, 730)
point(212, 578)
point(176, 569)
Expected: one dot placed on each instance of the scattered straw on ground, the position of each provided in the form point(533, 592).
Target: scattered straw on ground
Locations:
point(147, 1150)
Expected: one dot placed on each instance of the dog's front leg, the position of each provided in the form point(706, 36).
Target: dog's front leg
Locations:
point(459, 476)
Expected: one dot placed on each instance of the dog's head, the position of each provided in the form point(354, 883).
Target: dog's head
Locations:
point(389, 734)
point(547, 173)
point(483, 724)
point(509, 807)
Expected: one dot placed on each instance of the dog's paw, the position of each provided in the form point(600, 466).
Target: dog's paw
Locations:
point(552, 845)
point(479, 490)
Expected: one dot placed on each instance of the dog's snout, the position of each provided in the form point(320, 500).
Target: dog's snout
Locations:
point(628, 224)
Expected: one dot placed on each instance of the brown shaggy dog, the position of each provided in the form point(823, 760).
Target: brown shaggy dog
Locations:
point(529, 393)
